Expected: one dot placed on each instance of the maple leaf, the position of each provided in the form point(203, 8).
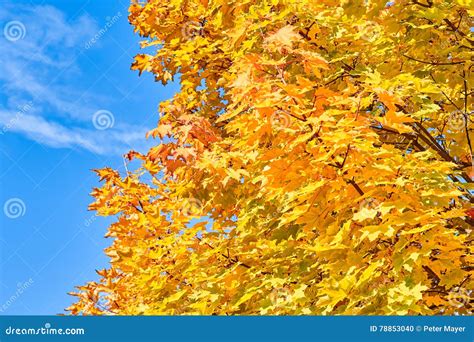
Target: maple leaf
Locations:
point(284, 37)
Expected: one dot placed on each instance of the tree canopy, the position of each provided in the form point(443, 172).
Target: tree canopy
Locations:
point(317, 159)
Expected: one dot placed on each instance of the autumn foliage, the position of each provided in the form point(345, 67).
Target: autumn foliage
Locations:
point(316, 160)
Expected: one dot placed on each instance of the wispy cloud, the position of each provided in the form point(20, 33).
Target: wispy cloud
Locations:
point(54, 134)
point(40, 67)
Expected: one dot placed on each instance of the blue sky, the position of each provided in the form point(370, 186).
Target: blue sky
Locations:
point(68, 103)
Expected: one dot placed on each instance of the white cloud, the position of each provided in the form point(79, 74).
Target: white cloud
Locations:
point(41, 69)
point(54, 134)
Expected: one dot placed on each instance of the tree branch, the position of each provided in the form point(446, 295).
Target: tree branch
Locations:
point(432, 63)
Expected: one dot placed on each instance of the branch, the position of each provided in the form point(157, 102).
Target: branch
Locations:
point(456, 29)
point(429, 3)
point(432, 63)
point(232, 260)
point(466, 116)
point(357, 187)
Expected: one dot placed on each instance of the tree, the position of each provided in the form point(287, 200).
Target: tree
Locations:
point(316, 160)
